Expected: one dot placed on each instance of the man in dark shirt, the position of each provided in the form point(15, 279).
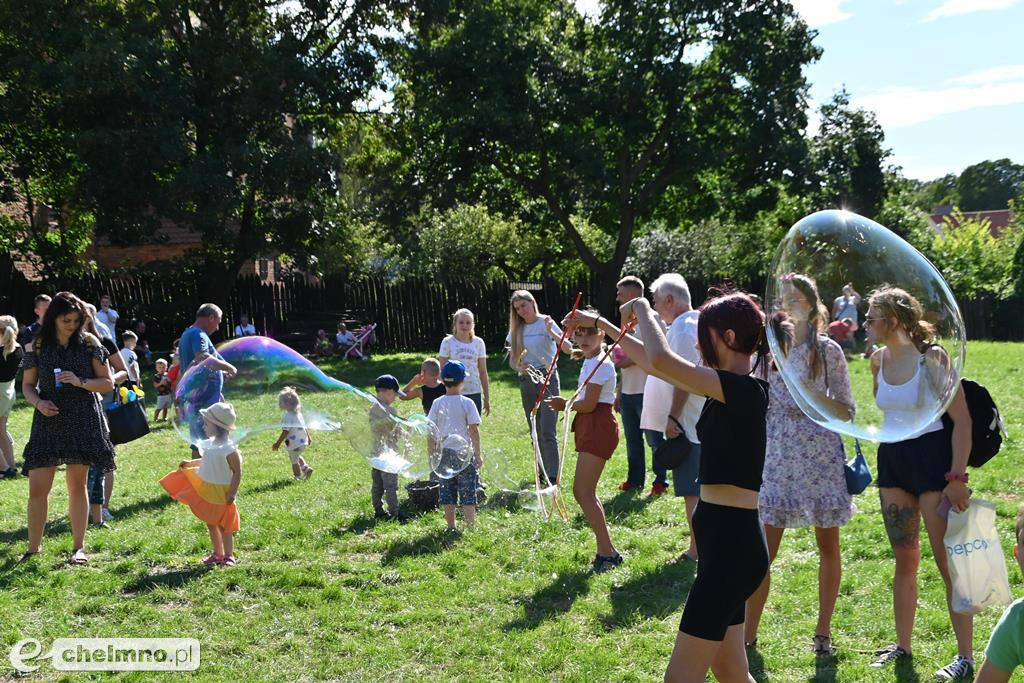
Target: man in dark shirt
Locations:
point(29, 332)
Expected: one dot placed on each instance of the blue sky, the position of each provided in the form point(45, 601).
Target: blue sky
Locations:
point(943, 76)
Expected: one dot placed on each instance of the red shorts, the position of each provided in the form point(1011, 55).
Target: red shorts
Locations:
point(597, 433)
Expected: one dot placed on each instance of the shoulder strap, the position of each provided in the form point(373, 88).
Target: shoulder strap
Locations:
point(823, 354)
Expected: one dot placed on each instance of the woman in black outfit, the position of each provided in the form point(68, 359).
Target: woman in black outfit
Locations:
point(68, 426)
point(10, 361)
point(733, 551)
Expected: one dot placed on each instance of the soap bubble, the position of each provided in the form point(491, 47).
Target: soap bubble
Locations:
point(540, 500)
point(406, 452)
point(452, 455)
point(507, 474)
point(820, 258)
point(328, 405)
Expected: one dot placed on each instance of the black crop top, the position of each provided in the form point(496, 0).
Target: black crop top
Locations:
point(9, 366)
point(733, 434)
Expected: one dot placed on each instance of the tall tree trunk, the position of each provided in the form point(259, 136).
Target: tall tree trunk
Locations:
point(218, 282)
point(6, 281)
point(607, 277)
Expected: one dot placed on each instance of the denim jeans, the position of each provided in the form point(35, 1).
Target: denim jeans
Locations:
point(95, 485)
point(477, 400)
point(654, 439)
point(547, 420)
point(630, 407)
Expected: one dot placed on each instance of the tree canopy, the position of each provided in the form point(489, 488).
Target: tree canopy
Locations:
point(653, 106)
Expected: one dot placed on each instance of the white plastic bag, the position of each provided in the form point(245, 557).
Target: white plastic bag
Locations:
point(976, 562)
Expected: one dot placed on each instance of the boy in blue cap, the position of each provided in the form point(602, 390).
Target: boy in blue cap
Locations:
point(384, 429)
point(458, 424)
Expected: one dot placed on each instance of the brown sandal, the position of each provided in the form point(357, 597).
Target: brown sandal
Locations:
point(823, 646)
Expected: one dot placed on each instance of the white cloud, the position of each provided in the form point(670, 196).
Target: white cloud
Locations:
point(997, 74)
point(907, 106)
point(820, 12)
point(919, 169)
point(953, 8)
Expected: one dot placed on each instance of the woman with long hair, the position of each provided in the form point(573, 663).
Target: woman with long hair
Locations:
point(11, 355)
point(804, 480)
point(917, 474)
point(731, 429)
point(532, 341)
point(65, 373)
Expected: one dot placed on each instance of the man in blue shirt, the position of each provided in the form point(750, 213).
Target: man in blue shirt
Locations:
point(208, 369)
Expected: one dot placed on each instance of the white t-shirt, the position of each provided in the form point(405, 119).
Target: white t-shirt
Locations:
point(297, 438)
point(108, 317)
point(453, 415)
point(605, 376)
point(540, 347)
point(469, 353)
point(214, 468)
point(245, 330)
point(682, 339)
point(345, 338)
point(845, 307)
point(105, 331)
point(633, 378)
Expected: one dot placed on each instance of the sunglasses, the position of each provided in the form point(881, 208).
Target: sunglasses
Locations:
point(585, 331)
point(869, 321)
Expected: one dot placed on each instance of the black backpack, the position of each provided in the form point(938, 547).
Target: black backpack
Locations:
point(986, 424)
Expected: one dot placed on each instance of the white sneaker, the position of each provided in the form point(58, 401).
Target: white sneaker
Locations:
point(960, 669)
point(106, 515)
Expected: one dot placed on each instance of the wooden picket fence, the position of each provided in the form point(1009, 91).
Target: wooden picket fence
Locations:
point(412, 314)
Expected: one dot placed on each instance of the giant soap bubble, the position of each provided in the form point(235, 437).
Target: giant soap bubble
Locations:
point(819, 261)
point(329, 407)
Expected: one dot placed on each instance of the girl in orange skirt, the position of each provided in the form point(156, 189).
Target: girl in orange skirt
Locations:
point(596, 433)
point(209, 484)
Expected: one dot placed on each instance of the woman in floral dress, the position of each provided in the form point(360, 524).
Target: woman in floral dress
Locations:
point(804, 483)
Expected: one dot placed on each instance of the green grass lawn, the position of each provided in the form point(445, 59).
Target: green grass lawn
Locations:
point(324, 592)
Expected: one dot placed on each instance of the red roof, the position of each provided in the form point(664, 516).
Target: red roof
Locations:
point(169, 232)
point(999, 219)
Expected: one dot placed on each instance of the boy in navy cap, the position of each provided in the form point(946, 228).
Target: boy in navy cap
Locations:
point(384, 429)
point(458, 428)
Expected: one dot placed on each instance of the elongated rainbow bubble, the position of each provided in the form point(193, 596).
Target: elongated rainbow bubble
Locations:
point(264, 367)
point(336, 415)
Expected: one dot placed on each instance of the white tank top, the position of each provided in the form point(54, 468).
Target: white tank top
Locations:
point(899, 402)
point(214, 467)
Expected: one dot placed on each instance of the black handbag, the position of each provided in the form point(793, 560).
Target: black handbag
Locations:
point(127, 422)
point(673, 452)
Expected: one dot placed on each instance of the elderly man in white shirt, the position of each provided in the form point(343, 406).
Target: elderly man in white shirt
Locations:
point(663, 401)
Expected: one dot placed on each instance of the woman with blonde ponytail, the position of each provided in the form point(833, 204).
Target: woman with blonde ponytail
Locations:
point(921, 475)
point(11, 354)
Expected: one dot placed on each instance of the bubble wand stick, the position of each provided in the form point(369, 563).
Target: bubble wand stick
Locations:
point(538, 459)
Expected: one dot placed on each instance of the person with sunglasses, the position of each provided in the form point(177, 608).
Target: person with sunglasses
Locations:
point(918, 474)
